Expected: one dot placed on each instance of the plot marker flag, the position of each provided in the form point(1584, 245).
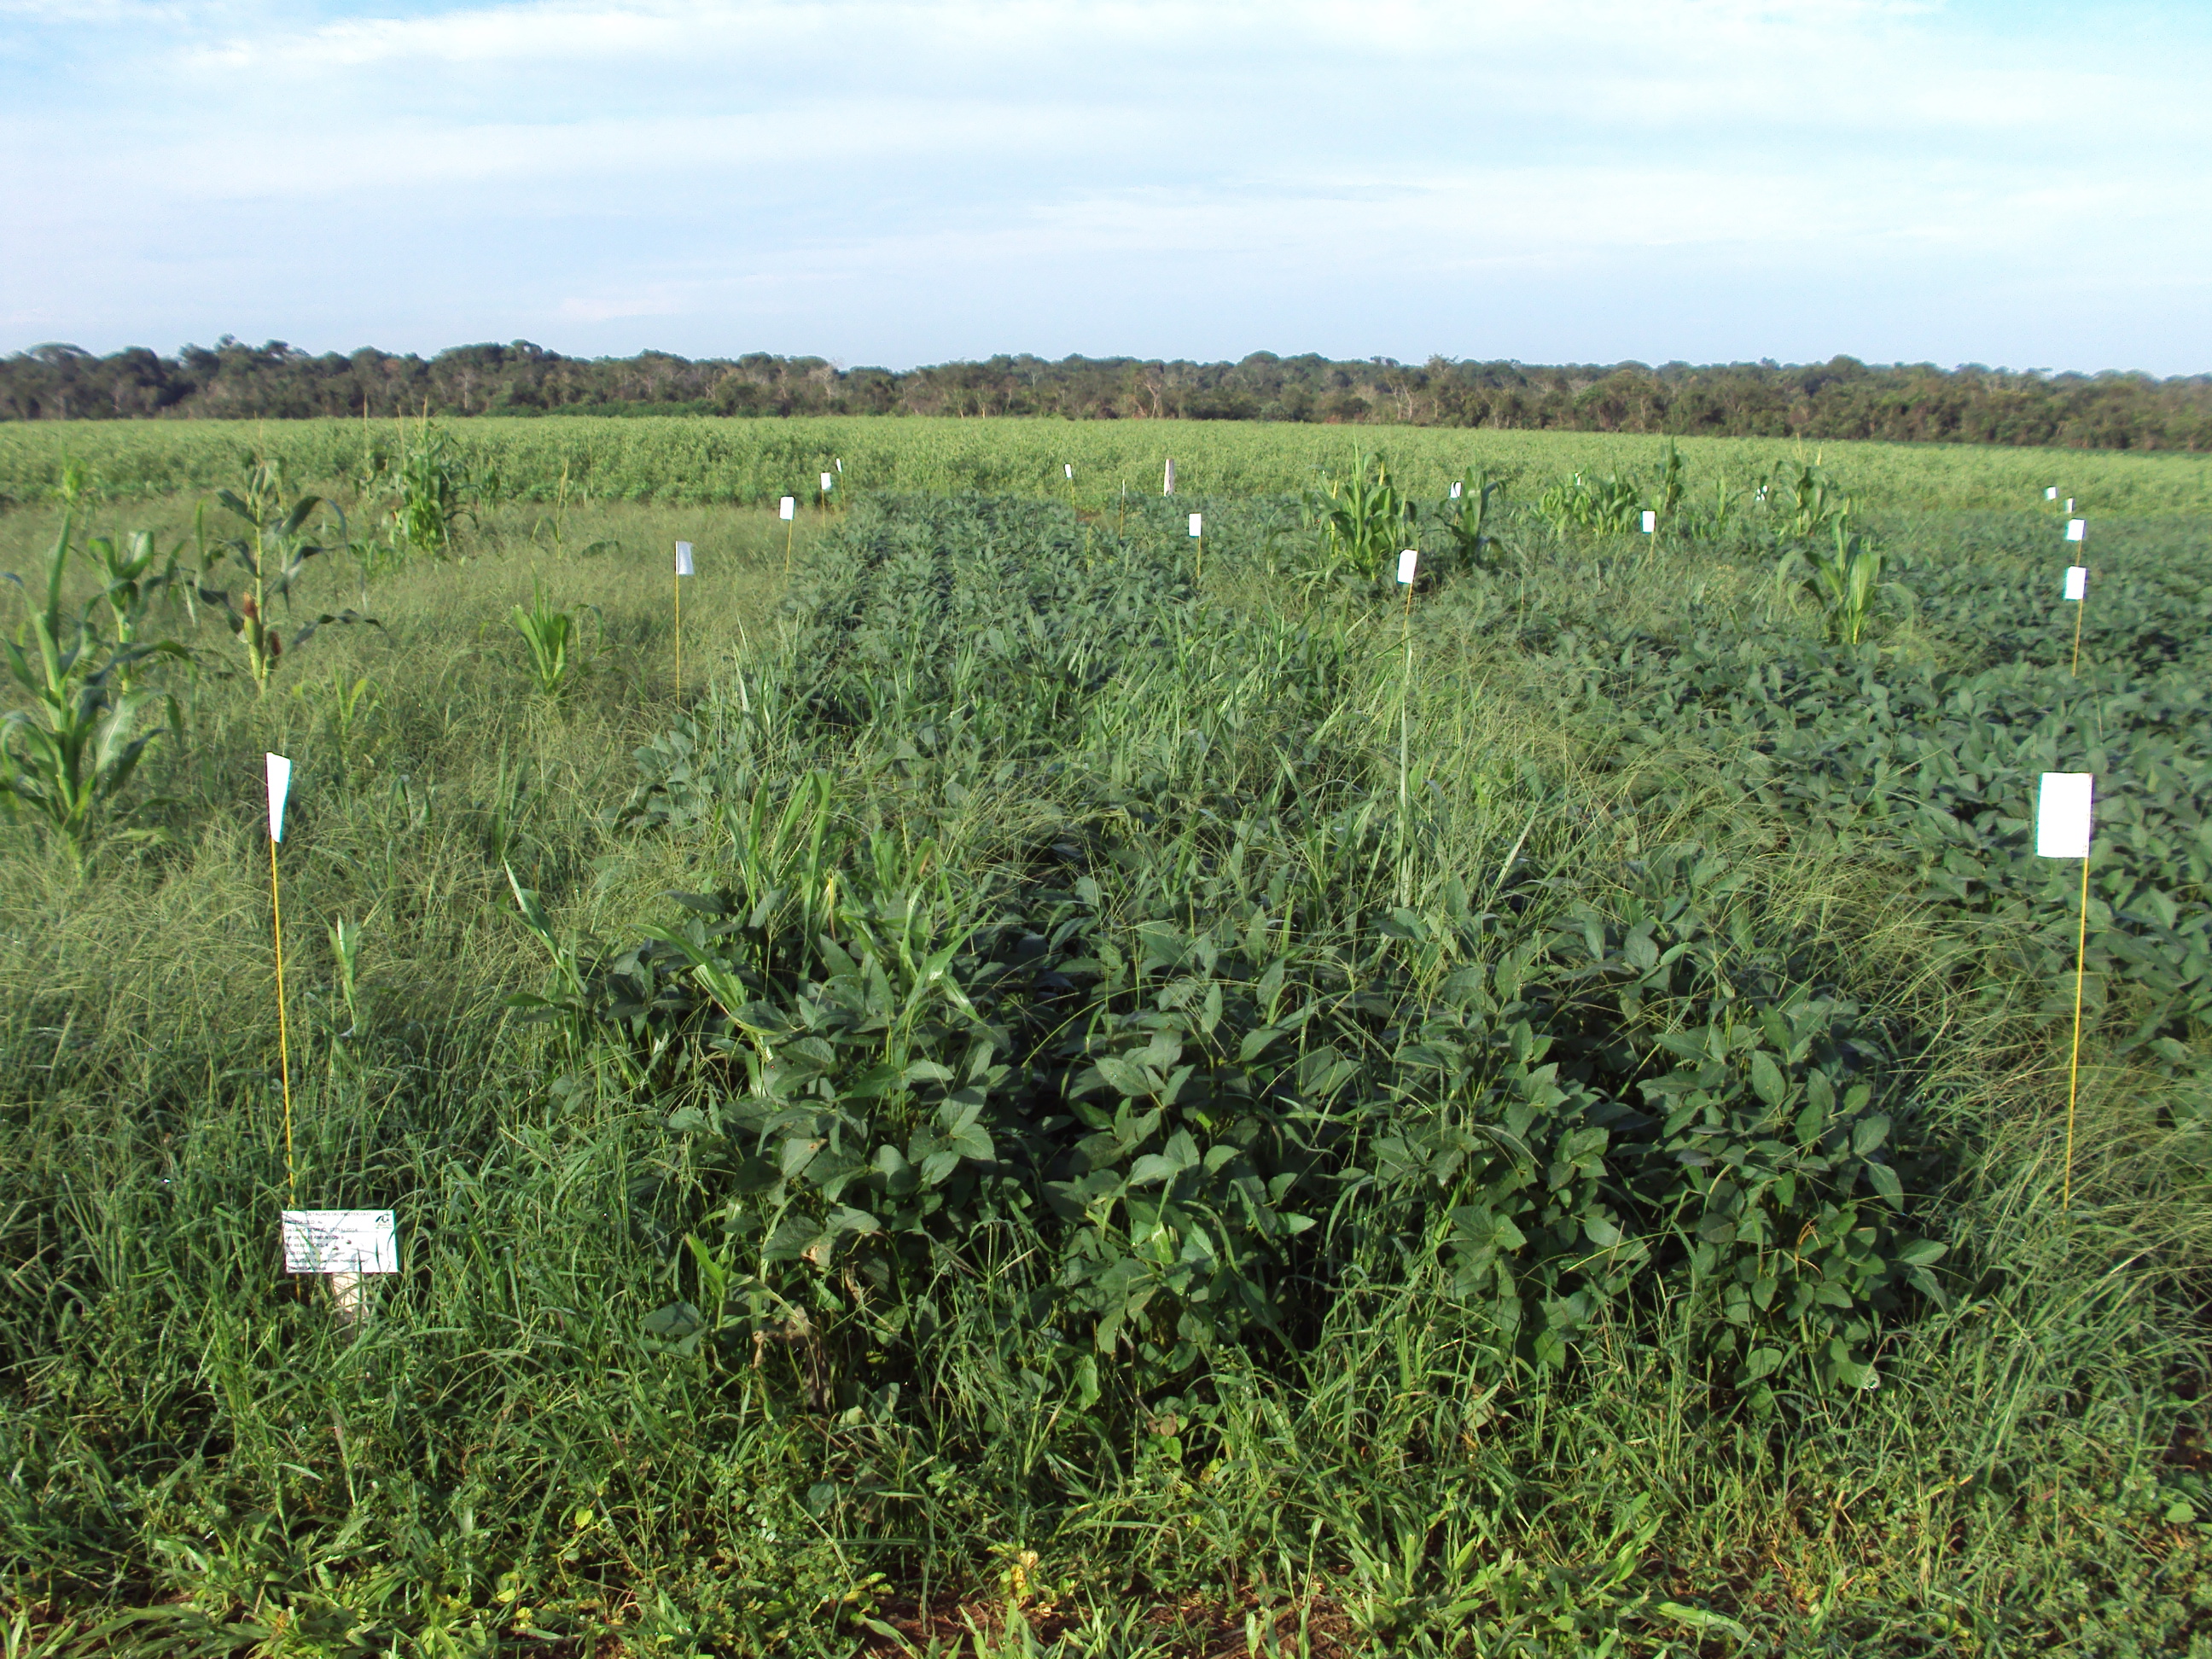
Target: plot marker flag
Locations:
point(789, 506)
point(279, 772)
point(1455, 490)
point(340, 1242)
point(1068, 467)
point(343, 1245)
point(280, 787)
point(2051, 494)
point(2063, 812)
point(682, 569)
point(1650, 522)
point(2078, 583)
point(1167, 478)
point(1197, 524)
point(1408, 558)
point(2063, 809)
point(825, 484)
point(353, 1242)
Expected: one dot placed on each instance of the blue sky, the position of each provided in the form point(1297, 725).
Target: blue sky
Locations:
point(2020, 184)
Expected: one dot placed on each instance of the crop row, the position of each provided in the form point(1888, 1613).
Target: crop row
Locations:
point(749, 460)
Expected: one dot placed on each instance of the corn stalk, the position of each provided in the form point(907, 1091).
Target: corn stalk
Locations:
point(271, 558)
point(69, 756)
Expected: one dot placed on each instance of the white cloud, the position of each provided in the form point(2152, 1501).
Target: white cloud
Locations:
point(587, 161)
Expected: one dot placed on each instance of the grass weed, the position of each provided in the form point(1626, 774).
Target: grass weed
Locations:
point(199, 1459)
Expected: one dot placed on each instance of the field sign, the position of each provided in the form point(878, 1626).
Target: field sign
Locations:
point(1407, 559)
point(1068, 467)
point(280, 788)
point(340, 1242)
point(682, 558)
point(790, 507)
point(825, 484)
point(2077, 581)
point(1650, 522)
point(2062, 815)
point(2070, 503)
point(2076, 529)
point(2051, 494)
point(1198, 523)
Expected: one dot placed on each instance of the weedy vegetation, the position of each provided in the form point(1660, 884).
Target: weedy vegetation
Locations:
point(1048, 1107)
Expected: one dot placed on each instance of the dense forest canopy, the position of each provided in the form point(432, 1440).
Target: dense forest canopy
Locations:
point(1838, 399)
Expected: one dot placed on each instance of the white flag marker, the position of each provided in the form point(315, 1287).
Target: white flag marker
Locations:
point(2077, 581)
point(1650, 522)
point(1198, 523)
point(1068, 467)
point(1407, 559)
point(683, 558)
point(280, 786)
point(825, 484)
point(1456, 491)
point(2076, 529)
point(1167, 478)
point(790, 506)
point(2070, 503)
point(2051, 494)
point(840, 464)
point(340, 1242)
point(2062, 812)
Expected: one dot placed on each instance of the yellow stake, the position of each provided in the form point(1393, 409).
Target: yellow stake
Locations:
point(2074, 1064)
point(790, 528)
point(283, 1030)
point(2080, 605)
point(1405, 800)
point(679, 636)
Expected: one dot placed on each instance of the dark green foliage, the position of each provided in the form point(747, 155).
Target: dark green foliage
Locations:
point(1193, 1068)
point(1839, 399)
point(982, 1125)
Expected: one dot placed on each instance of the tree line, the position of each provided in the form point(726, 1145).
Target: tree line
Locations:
point(1842, 398)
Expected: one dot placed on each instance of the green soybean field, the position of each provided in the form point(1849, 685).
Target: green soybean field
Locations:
point(1101, 1077)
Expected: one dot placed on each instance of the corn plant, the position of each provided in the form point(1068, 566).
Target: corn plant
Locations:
point(553, 635)
point(131, 576)
point(271, 559)
point(69, 756)
point(1611, 505)
point(1806, 502)
point(1360, 521)
point(1845, 582)
point(1673, 483)
point(433, 490)
point(1469, 518)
